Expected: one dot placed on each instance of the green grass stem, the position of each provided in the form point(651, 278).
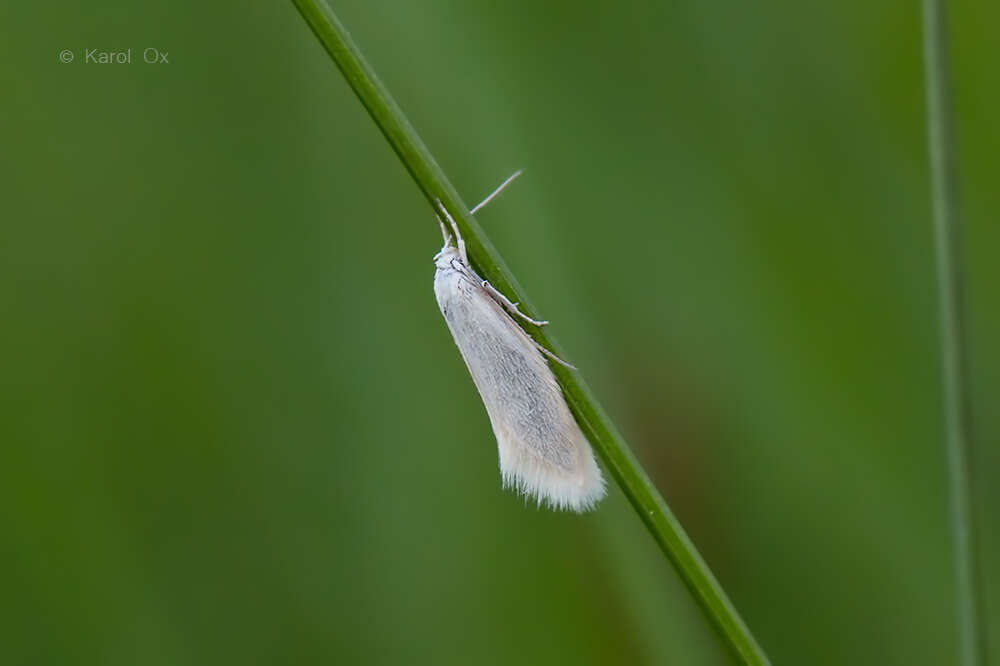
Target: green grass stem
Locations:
point(954, 351)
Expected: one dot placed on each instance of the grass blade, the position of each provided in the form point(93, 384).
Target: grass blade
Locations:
point(954, 355)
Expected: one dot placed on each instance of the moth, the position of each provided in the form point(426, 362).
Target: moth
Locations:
point(543, 453)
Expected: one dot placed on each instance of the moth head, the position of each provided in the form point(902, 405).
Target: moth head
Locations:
point(444, 258)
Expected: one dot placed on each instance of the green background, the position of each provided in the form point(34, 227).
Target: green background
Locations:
point(235, 428)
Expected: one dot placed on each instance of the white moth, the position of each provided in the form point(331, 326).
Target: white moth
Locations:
point(543, 453)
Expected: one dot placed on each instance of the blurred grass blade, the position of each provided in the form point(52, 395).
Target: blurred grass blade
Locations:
point(954, 360)
point(609, 444)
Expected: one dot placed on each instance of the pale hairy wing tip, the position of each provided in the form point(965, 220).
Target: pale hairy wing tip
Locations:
point(554, 490)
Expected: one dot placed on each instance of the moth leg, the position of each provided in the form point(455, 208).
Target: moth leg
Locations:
point(454, 227)
point(551, 355)
point(506, 302)
point(444, 233)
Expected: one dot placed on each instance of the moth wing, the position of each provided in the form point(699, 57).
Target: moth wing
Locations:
point(543, 452)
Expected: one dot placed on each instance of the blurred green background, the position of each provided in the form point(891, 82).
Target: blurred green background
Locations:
point(235, 428)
